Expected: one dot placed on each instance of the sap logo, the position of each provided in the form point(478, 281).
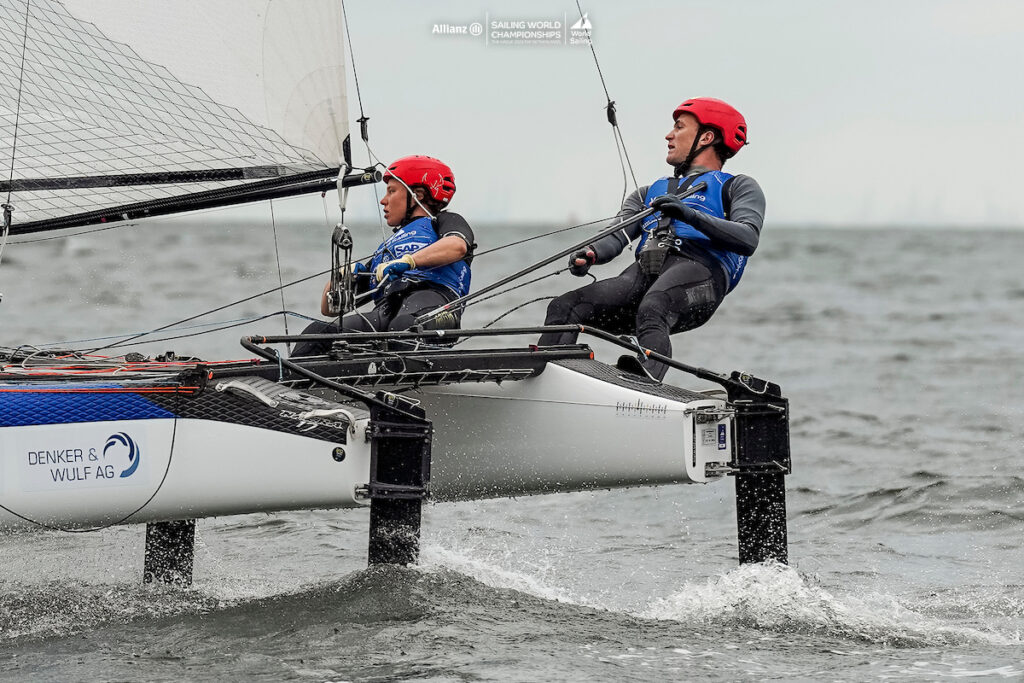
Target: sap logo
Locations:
point(409, 248)
point(134, 453)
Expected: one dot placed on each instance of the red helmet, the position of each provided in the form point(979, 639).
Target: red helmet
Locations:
point(427, 172)
point(717, 114)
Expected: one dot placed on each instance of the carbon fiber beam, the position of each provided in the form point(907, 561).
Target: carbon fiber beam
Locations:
point(399, 476)
point(169, 552)
point(761, 465)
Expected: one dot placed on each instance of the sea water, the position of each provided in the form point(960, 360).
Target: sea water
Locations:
point(901, 353)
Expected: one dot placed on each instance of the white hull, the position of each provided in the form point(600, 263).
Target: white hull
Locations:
point(213, 468)
point(562, 430)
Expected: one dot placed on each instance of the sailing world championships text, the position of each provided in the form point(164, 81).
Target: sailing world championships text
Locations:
point(525, 30)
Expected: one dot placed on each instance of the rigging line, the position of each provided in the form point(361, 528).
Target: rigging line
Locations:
point(280, 277)
point(45, 346)
point(352, 58)
point(544, 234)
point(619, 146)
point(516, 308)
point(363, 118)
point(230, 325)
point(513, 288)
point(76, 234)
point(376, 196)
point(133, 337)
point(522, 305)
point(610, 108)
point(327, 214)
point(3, 238)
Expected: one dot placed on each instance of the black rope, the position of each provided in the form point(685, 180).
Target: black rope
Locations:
point(512, 288)
point(516, 308)
point(131, 339)
point(545, 234)
point(76, 234)
point(612, 119)
point(364, 129)
point(280, 276)
point(355, 73)
point(139, 335)
point(228, 326)
point(525, 303)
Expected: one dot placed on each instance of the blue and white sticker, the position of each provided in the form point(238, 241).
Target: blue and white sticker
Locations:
point(721, 437)
point(77, 456)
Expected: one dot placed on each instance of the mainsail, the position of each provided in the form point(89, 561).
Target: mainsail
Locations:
point(93, 130)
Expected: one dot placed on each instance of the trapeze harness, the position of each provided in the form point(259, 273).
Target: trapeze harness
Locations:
point(661, 234)
point(408, 239)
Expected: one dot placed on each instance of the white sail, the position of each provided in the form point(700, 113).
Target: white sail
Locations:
point(113, 89)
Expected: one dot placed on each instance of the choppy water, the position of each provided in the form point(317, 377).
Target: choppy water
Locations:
point(900, 351)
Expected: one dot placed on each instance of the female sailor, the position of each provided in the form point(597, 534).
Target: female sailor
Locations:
point(423, 265)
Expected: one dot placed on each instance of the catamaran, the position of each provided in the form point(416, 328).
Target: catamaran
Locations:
point(99, 134)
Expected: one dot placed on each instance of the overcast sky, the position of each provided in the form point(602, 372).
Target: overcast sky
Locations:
point(860, 113)
point(864, 112)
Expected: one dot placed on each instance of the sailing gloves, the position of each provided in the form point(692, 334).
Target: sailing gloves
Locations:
point(673, 208)
point(392, 270)
point(580, 262)
point(361, 275)
point(358, 269)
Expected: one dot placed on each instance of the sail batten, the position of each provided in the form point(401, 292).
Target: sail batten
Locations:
point(100, 128)
point(158, 178)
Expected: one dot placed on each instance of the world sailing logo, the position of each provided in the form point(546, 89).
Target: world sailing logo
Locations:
point(579, 33)
point(133, 451)
point(583, 24)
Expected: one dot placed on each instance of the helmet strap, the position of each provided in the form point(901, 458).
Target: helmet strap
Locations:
point(411, 202)
point(695, 151)
point(410, 205)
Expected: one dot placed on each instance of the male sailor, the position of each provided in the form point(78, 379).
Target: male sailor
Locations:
point(424, 264)
point(691, 252)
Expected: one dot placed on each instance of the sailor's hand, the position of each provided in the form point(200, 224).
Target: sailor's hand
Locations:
point(356, 270)
point(580, 262)
point(392, 270)
point(672, 207)
point(359, 269)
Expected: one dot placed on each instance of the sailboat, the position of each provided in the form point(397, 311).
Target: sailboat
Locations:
point(99, 134)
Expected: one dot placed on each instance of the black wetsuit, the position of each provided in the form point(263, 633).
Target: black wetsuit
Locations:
point(683, 296)
point(404, 302)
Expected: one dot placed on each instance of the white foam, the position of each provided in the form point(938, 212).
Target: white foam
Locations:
point(776, 597)
point(489, 572)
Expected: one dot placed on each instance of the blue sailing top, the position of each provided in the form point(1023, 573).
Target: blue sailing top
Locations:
point(708, 201)
point(410, 238)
